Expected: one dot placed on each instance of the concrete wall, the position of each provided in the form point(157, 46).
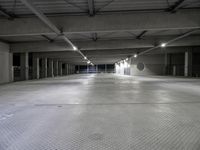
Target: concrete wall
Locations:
point(142, 65)
point(123, 67)
point(148, 65)
point(5, 63)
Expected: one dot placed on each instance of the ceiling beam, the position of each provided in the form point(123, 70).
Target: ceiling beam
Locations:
point(103, 44)
point(50, 24)
point(91, 7)
point(139, 37)
point(169, 42)
point(94, 37)
point(47, 38)
point(5, 13)
point(176, 6)
point(189, 19)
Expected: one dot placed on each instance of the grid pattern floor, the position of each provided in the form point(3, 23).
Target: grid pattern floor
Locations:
point(101, 112)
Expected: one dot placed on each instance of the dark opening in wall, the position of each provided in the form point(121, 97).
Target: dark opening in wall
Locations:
point(108, 68)
point(16, 66)
point(176, 66)
point(196, 65)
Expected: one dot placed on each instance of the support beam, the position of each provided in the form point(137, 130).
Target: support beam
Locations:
point(189, 19)
point(139, 37)
point(24, 66)
point(170, 41)
point(55, 67)
point(91, 7)
point(5, 14)
point(50, 24)
point(36, 67)
point(50, 68)
point(67, 69)
point(176, 6)
point(94, 37)
point(60, 71)
point(188, 64)
point(102, 44)
point(167, 63)
point(44, 68)
point(46, 21)
point(47, 38)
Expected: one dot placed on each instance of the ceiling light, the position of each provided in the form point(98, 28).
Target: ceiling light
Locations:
point(85, 57)
point(88, 61)
point(135, 55)
point(126, 59)
point(75, 48)
point(163, 44)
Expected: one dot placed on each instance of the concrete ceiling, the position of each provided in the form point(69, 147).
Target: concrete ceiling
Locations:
point(118, 28)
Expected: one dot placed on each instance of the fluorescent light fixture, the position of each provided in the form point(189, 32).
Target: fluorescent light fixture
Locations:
point(88, 61)
point(85, 57)
point(75, 48)
point(163, 44)
point(135, 55)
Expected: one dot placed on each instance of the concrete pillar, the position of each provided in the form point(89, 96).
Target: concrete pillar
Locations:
point(167, 63)
point(174, 70)
point(188, 64)
point(44, 68)
point(36, 67)
point(97, 69)
point(55, 67)
point(50, 68)
point(65, 70)
point(73, 69)
point(87, 68)
point(60, 68)
point(11, 68)
point(24, 66)
point(78, 71)
point(68, 69)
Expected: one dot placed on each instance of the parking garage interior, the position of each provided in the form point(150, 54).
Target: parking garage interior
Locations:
point(99, 74)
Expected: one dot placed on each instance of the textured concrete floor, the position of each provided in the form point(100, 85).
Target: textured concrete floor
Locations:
point(101, 112)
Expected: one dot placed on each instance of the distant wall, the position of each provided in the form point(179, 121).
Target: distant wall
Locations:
point(148, 65)
point(5, 63)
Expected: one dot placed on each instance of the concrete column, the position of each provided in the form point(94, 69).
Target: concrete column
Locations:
point(87, 68)
point(36, 67)
point(24, 71)
point(55, 67)
point(11, 68)
point(60, 68)
point(174, 70)
point(167, 63)
point(97, 69)
point(188, 64)
point(50, 68)
point(78, 69)
point(73, 69)
point(67, 69)
point(44, 68)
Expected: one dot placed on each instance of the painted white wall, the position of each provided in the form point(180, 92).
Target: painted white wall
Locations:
point(5, 63)
point(153, 65)
point(123, 67)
